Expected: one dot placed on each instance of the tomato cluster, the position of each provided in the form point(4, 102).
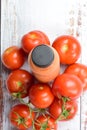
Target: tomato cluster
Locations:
point(47, 103)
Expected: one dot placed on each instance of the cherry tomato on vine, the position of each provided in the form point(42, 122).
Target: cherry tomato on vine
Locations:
point(18, 83)
point(63, 109)
point(13, 57)
point(21, 116)
point(32, 39)
point(45, 122)
point(79, 70)
point(40, 95)
point(68, 48)
point(67, 85)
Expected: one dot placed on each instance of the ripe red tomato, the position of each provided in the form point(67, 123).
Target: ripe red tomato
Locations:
point(21, 116)
point(13, 57)
point(18, 83)
point(40, 95)
point(79, 70)
point(60, 110)
point(32, 39)
point(68, 47)
point(45, 122)
point(67, 85)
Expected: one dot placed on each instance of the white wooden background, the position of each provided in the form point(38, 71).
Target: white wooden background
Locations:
point(54, 17)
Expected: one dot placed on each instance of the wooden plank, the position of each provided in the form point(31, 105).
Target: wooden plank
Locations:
point(52, 17)
point(1, 93)
point(84, 61)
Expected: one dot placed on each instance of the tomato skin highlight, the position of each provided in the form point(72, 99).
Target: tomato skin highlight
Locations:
point(19, 82)
point(67, 85)
point(80, 71)
point(55, 109)
point(13, 57)
point(32, 39)
point(43, 119)
point(68, 48)
point(21, 112)
point(40, 95)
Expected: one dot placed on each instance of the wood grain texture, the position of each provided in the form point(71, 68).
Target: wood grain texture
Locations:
point(54, 17)
point(1, 103)
point(84, 61)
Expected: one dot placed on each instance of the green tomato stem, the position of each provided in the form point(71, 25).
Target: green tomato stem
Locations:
point(65, 113)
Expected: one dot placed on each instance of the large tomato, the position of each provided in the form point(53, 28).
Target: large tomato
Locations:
point(18, 83)
point(21, 116)
point(13, 57)
point(63, 109)
point(32, 39)
point(68, 47)
point(79, 70)
point(45, 122)
point(40, 95)
point(67, 85)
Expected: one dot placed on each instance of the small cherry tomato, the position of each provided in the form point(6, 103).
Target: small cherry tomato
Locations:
point(67, 85)
point(32, 39)
point(45, 122)
point(21, 116)
point(63, 109)
point(13, 57)
point(40, 95)
point(18, 83)
point(79, 70)
point(68, 48)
